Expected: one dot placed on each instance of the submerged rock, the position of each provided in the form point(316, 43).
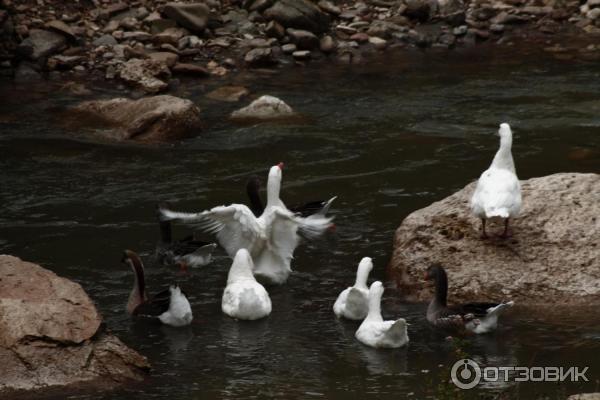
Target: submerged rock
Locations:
point(228, 93)
point(149, 119)
point(553, 257)
point(264, 108)
point(51, 334)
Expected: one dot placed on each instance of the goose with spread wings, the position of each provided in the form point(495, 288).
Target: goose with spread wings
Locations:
point(271, 239)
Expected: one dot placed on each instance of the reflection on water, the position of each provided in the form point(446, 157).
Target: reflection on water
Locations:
point(387, 138)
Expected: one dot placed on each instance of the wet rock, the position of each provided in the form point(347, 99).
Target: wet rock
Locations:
point(228, 93)
point(261, 57)
point(585, 396)
point(360, 37)
point(190, 69)
point(149, 119)
point(378, 43)
point(421, 10)
point(553, 257)
point(64, 62)
point(304, 40)
point(264, 108)
point(449, 7)
point(62, 28)
point(460, 30)
point(275, 30)
point(26, 73)
point(193, 16)
point(301, 55)
point(383, 29)
point(41, 43)
point(257, 5)
point(51, 334)
point(329, 7)
point(139, 36)
point(105, 40)
point(327, 44)
point(164, 57)
point(112, 10)
point(170, 36)
point(298, 14)
point(289, 48)
point(145, 74)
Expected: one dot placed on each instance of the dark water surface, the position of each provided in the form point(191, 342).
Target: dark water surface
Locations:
point(387, 138)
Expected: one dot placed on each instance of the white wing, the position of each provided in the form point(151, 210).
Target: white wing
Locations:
point(282, 232)
point(235, 225)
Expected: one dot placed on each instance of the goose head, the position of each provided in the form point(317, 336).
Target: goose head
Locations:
point(274, 184)
point(505, 134)
point(242, 267)
point(138, 292)
point(362, 274)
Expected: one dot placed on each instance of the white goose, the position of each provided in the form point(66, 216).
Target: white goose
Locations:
point(244, 297)
point(171, 306)
point(498, 191)
point(353, 302)
point(376, 332)
point(270, 239)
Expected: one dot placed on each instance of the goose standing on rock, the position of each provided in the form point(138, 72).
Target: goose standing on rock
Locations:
point(270, 239)
point(187, 252)
point(243, 297)
point(171, 306)
point(376, 332)
point(353, 302)
point(469, 318)
point(498, 191)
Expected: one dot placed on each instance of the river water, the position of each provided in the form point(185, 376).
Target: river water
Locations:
point(387, 138)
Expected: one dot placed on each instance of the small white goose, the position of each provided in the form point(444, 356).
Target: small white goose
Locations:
point(171, 306)
point(376, 332)
point(271, 239)
point(353, 302)
point(243, 297)
point(498, 191)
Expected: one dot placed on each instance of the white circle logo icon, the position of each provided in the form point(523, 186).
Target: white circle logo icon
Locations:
point(465, 373)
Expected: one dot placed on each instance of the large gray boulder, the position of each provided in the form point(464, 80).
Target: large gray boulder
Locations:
point(149, 119)
point(299, 14)
point(51, 334)
point(42, 43)
point(553, 257)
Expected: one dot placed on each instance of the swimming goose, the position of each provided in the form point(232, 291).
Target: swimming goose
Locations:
point(498, 191)
point(186, 252)
point(244, 297)
point(468, 318)
point(376, 332)
point(170, 306)
point(257, 206)
point(270, 239)
point(353, 302)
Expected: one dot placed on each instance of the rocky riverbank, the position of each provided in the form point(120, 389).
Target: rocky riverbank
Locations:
point(552, 258)
point(52, 336)
point(149, 44)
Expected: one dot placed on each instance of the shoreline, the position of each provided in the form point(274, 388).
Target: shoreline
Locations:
point(67, 49)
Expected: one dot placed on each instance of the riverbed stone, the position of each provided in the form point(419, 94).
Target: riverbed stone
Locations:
point(193, 16)
point(51, 334)
point(42, 43)
point(305, 40)
point(260, 57)
point(145, 74)
point(149, 119)
point(552, 258)
point(298, 14)
point(264, 108)
point(228, 93)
